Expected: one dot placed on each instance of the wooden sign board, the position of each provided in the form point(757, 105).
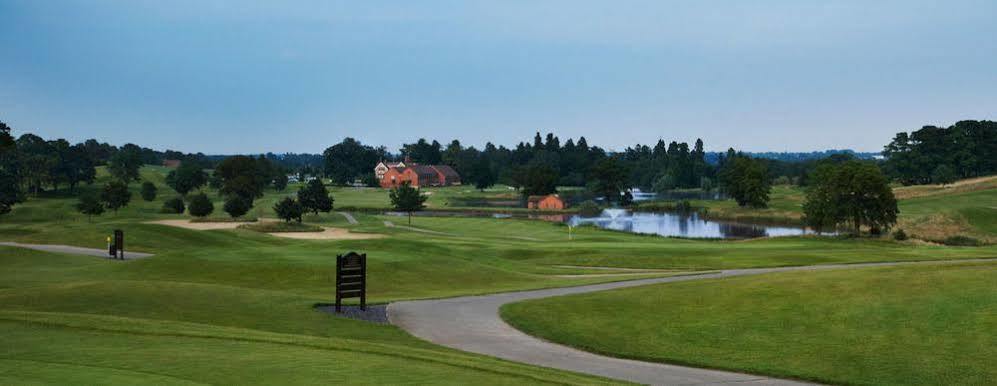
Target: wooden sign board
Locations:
point(351, 279)
point(119, 244)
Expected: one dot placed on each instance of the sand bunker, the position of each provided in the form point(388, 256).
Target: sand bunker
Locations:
point(201, 226)
point(327, 234)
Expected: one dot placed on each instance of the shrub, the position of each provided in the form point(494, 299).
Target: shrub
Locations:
point(115, 195)
point(289, 209)
point(684, 206)
point(200, 206)
point(148, 191)
point(589, 208)
point(90, 205)
point(961, 241)
point(280, 226)
point(237, 206)
point(174, 205)
point(900, 235)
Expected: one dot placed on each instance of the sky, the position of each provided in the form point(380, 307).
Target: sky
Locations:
point(225, 77)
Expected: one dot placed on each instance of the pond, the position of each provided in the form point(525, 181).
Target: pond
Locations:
point(677, 195)
point(682, 225)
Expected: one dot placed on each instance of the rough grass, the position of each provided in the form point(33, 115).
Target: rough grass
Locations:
point(918, 325)
point(281, 226)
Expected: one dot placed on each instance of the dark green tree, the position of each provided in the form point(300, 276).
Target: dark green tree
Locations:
point(174, 205)
point(244, 177)
point(609, 178)
point(237, 206)
point(199, 205)
point(148, 192)
point(89, 205)
point(10, 181)
point(407, 199)
point(346, 161)
point(853, 193)
point(280, 182)
point(289, 209)
point(483, 175)
point(115, 195)
point(943, 175)
point(125, 163)
point(746, 180)
point(314, 197)
point(538, 180)
point(187, 177)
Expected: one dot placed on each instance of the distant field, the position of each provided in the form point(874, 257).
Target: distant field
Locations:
point(923, 325)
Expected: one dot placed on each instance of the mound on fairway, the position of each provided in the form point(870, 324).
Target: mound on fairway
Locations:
point(927, 325)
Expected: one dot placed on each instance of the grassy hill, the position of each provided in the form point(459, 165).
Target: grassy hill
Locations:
point(914, 325)
point(236, 306)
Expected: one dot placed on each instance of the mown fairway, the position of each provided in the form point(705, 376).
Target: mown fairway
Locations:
point(925, 325)
point(235, 306)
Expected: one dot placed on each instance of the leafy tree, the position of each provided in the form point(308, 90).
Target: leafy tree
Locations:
point(115, 195)
point(854, 193)
point(78, 167)
point(237, 206)
point(538, 180)
point(89, 205)
point(943, 175)
point(747, 181)
point(36, 160)
point(148, 192)
point(186, 178)
point(280, 182)
point(244, 177)
point(483, 175)
point(124, 165)
point(968, 147)
point(407, 199)
point(289, 209)
point(346, 161)
point(314, 197)
point(609, 179)
point(199, 205)
point(424, 152)
point(10, 181)
point(174, 205)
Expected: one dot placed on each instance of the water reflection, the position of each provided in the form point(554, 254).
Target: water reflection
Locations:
point(682, 225)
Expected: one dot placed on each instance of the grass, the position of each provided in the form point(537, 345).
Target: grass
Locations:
point(222, 219)
point(224, 284)
point(915, 325)
point(281, 226)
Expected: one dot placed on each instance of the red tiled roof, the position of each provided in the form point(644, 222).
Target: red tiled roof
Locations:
point(447, 171)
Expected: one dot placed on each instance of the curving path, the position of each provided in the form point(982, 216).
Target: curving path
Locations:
point(472, 323)
point(71, 250)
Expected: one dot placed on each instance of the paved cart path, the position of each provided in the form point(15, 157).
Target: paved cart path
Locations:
point(74, 250)
point(472, 323)
point(349, 218)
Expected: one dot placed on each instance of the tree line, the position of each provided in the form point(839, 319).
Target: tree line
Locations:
point(940, 155)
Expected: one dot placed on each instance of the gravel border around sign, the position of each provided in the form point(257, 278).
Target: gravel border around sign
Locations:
point(374, 314)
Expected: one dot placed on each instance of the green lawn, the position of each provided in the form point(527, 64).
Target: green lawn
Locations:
point(225, 284)
point(923, 325)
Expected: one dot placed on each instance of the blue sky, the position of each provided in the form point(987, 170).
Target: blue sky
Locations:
point(244, 76)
